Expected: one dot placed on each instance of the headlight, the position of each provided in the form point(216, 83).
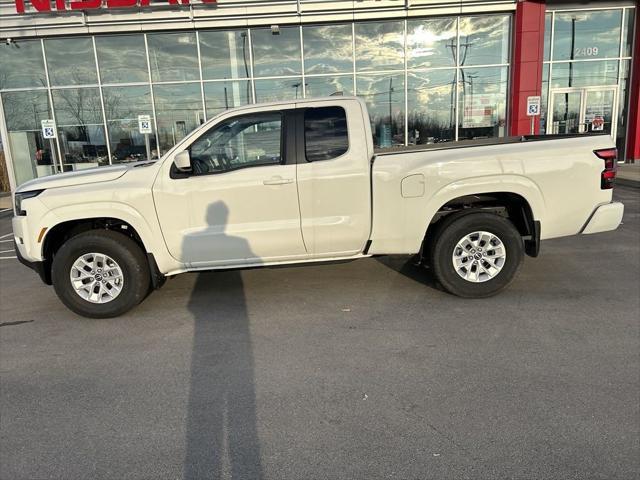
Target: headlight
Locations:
point(21, 197)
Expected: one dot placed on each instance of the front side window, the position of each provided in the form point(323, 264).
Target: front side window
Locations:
point(325, 133)
point(239, 142)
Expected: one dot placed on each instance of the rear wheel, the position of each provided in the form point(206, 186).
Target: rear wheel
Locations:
point(476, 255)
point(100, 274)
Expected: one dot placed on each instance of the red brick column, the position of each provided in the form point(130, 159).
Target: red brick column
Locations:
point(633, 132)
point(526, 70)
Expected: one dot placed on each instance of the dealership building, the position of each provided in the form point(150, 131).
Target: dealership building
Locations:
point(86, 71)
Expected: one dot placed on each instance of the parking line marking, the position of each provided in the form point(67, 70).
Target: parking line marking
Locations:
point(7, 251)
point(6, 235)
point(5, 210)
point(6, 258)
point(6, 241)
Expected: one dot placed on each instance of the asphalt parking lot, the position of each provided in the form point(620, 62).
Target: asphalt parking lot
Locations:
point(359, 370)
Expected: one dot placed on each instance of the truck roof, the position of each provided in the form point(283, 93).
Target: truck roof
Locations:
point(299, 101)
point(296, 101)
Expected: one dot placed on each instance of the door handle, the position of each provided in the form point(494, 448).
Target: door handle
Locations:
point(277, 181)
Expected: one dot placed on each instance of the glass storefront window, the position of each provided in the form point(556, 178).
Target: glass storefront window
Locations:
point(627, 36)
point(584, 35)
point(173, 56)
point(482, 102)
point(384, 95)
point(379, 46)
point(276, 90)
point(122, 59)
point(431, 100)
point(276, 54)
point(548, 19)
point(441, 59)
point(544, 98)
point(585, 74)
point(122, 107)
point(589, 75)
point(431, 43)
point(326, 86)
point(623, 102)
point(484, 40)
point(224, 54)
point(220, 96)
point(71, 61)
point(31, 154)
point(178, 110)
point(80, 128)
point(328, 49)
point(21, 64)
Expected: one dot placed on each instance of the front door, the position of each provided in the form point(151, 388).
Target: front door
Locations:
point(583, 110)
point(240, 202)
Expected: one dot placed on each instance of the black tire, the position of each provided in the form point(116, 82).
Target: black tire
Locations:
point(452, 230)
point(124, 251)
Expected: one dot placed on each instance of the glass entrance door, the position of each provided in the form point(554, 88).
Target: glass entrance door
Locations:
point(598, 111)
point(583, 110)
point(566, 108)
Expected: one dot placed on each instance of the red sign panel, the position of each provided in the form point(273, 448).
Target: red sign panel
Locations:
point(46, 5)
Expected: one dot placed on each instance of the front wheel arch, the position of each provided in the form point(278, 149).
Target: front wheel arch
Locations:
point(129, 260)
point(57, 235)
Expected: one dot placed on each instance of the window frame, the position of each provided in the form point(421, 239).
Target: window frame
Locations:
point(302, 151)
point(284, 115)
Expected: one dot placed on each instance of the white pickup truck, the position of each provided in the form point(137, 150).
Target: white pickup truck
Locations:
point(300, 181)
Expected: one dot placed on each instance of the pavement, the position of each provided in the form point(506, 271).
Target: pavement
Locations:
point(359, 370)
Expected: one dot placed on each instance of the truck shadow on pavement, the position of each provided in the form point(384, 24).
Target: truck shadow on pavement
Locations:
point(221, 432)
point(410, 267)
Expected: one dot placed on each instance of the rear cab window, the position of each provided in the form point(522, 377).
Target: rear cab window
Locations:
point(325, 133)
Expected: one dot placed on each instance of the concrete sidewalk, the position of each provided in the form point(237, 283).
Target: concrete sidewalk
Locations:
point(628, 174)
point(5, 201)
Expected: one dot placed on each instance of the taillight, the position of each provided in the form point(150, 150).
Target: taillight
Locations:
point(608, 175)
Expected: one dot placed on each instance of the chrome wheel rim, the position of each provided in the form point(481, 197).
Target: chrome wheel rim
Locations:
point(479, 256)
point(96, 278)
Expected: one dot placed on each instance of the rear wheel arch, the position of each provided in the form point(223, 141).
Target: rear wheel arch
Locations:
point(513, 206)
point(476, 255)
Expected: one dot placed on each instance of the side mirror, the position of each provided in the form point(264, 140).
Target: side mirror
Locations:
point(182, 161)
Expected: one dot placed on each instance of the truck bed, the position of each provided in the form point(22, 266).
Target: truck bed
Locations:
point(477, 143)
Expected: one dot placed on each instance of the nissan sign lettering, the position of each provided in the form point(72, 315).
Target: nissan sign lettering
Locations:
point(61, 5)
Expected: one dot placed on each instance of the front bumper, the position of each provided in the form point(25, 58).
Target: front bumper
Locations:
point(604, 218)
point(41, 268)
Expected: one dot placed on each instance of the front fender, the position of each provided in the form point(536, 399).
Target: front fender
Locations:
point(149, 234)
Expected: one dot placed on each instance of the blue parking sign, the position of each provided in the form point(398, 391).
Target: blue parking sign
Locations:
point(533, 106)
point(144, 124)
point(48, 129)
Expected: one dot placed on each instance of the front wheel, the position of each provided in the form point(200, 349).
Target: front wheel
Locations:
point(100, 274)
point(476, 255)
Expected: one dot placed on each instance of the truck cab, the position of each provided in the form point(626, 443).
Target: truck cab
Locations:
point(293, 183)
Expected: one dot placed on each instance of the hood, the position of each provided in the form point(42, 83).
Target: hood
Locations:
point(90, 175)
